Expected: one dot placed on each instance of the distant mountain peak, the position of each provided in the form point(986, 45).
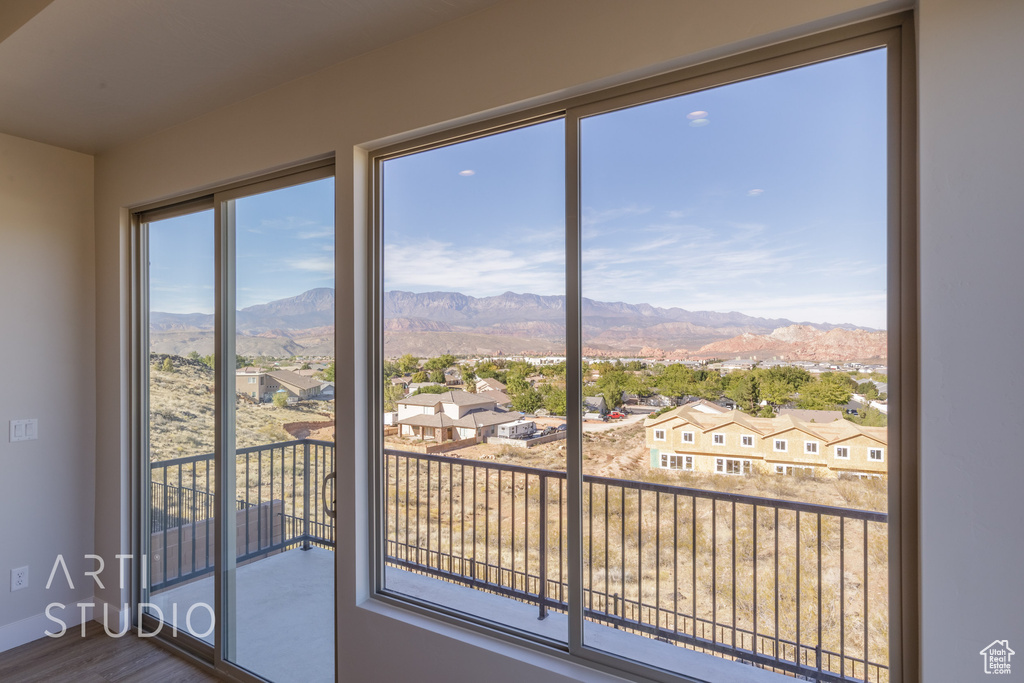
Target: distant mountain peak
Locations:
point(535, 320)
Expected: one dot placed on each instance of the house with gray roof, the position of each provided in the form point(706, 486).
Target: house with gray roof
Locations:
point(451, 416)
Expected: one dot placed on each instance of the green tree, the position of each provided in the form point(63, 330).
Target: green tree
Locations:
point(280, 398)
point(776, 391)
point(430, 389)
point(392, 395)
point(872, 417)
point(516, 385)
point(328, 372)
point(305, 366)
point(436, 376)
point(441, 362)
point(527, 401)
point(611, 385)
point(208, 360)
point(743, 389)
point(418, 377)
point(676, 380)
point(868, 389)
point(193, 355)
point(168, 366)
point(408, 363)
point(468, 378)
point(830, 391)
point(554, 401)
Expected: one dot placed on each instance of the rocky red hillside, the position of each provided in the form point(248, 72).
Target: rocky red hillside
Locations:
point(801, 342)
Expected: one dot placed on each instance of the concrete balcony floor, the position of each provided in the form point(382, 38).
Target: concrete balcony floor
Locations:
point(284, 616)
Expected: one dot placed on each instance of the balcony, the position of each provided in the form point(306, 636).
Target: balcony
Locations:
point(789, 587)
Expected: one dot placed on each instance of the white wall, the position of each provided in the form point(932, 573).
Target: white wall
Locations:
point(972, 332)
point(523, 50)
point(47, 348)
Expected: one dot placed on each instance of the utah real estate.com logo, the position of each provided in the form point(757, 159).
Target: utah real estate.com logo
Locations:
point(997, 657)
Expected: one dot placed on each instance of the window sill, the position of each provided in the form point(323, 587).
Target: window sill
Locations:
point(523, 616)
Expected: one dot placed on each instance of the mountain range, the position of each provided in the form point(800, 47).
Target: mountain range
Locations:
point(429, 323)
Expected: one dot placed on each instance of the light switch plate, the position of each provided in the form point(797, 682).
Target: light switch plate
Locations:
point(24, 430)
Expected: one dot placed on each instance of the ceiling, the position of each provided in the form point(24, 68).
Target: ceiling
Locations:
point(89, 75)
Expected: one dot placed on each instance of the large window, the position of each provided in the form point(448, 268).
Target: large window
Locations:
point(727, 268)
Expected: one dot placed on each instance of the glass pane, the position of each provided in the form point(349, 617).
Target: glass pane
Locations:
point(734, 326)
point(474, 378)
point(178, 569)
point(280, 606)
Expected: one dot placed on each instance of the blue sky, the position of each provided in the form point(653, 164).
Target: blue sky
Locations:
point(284, 246)
point(765, 197)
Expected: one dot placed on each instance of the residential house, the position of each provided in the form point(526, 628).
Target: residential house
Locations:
point(489, 384)
point(500, 398)
point(298, 387)
point(451, 416)
point(256, 383)
point(733, 442)
point(595, 405)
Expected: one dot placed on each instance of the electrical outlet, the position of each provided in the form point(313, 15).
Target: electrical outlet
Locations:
point(19, 578)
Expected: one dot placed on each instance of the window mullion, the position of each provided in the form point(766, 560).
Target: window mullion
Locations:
point(574, 380)
point(225, 538)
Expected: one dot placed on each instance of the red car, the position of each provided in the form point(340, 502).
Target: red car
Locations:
point(616, 415)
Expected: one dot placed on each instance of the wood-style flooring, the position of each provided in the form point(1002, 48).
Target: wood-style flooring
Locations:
point(97, 658)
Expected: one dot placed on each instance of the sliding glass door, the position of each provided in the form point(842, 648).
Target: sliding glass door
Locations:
point(236, 299)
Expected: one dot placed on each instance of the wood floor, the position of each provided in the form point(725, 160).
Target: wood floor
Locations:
point(97, 658)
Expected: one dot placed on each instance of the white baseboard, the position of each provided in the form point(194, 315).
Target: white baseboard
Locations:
point(35, 627)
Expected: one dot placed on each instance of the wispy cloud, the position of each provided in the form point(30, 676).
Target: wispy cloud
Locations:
point(313, 264)
point(474, 269)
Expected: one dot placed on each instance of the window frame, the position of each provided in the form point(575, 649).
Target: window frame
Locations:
point(662, 437)
point(845, 449)
point(723, 463)
point(811, 448)
point(894, 32)
point(687, 437)
point(746, 441)
point(718, 439)
point(785, 445)
point(881, 455)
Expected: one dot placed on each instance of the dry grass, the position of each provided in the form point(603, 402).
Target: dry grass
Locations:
point(181, 413)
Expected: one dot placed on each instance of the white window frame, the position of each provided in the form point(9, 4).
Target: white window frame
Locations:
point(844, 450)
point(881, 455)
point(747, 441)
point(896, 33)
point(657, 432)
point(722, 466)
point(685, 461)
point(785, 445)
point(686, 437)
point(811, 448)
point(790, 470)
point(718, 439)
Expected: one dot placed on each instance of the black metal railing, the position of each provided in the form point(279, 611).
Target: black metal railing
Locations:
point(788, 586)
point(278, 503)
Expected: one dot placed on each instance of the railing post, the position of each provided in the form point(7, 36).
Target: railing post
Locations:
point(542, 591)
point(305, 495)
